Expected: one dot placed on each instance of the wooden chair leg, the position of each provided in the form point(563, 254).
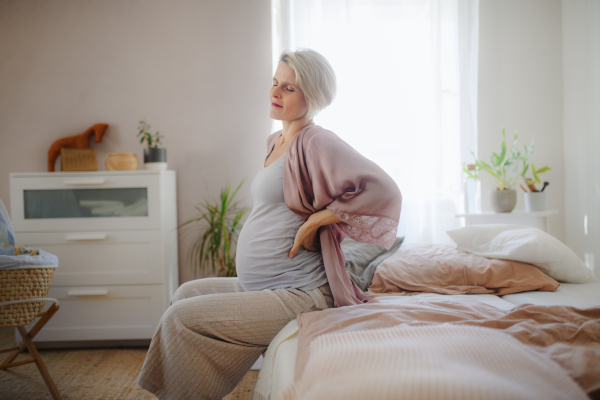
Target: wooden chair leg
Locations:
point(40, 364)
point(45, 316)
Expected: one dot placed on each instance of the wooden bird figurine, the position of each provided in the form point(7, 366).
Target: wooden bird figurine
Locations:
point(81, 141)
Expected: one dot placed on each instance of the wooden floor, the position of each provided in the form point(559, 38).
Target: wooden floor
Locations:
point(107, 374)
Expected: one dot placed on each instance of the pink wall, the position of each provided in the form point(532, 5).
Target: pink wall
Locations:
point(198, 71)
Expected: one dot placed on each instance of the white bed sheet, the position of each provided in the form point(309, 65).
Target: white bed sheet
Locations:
point(579, 295)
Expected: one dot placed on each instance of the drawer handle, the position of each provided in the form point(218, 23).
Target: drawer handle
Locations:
point(84, 181)
point(86, 236)
point(87, 292)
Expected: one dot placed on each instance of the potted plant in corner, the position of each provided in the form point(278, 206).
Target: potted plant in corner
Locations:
point(503, 167)
point(535, 200)
point(155, 158)
point(220, 227)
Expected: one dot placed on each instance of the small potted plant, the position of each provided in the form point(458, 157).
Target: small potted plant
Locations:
point(535, 200)
point(155, 158)
point(503, 167)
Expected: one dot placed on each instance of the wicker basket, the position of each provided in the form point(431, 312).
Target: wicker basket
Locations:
point(121, 162)
point(22, 284)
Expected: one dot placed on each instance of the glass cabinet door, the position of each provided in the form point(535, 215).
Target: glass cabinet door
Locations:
point(85, 203)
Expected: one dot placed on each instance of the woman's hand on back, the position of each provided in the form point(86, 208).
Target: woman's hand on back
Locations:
point(307, 237)
point(308, 234)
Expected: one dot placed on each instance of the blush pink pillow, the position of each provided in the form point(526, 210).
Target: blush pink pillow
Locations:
point(434, 268)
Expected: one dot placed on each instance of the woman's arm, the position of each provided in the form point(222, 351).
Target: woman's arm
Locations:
point(307, 234)
point(323, 217)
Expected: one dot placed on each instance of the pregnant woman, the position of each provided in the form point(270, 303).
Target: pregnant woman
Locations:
point(312, 190)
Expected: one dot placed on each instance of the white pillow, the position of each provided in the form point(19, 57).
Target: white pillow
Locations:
point(525, 244)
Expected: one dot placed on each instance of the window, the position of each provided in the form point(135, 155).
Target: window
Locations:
point(403, 97)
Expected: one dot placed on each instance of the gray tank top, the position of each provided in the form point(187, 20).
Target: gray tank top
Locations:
point(267, 236)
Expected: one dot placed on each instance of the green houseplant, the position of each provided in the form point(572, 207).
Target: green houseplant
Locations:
point(528, 166)
point(503, 167)
point(507, 167)
point(155, 158)
point(221, 224)
point(535, 200)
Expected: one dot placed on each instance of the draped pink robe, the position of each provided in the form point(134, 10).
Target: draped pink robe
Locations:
point(322, 171)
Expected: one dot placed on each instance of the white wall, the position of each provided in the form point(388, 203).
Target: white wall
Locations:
point(197, 70)
point(581, 51)
point(520, 88)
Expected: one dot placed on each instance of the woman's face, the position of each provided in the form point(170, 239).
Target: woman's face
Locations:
point(287, 100)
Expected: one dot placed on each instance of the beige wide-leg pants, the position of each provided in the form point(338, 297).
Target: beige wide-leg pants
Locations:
point(214, 331)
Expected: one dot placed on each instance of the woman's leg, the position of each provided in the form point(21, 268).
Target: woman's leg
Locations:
point(205, 344)
point(199, 287)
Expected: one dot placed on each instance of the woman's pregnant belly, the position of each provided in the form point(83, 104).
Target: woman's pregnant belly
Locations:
point(262, 255)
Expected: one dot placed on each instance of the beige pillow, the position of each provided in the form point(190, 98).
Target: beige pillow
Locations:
point(434, 268)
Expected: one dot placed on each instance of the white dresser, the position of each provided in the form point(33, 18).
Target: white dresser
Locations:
point(115, 235)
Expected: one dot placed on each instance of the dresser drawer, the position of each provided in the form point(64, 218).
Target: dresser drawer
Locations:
point(104, 313)
point(86, 201)
point(104, 257)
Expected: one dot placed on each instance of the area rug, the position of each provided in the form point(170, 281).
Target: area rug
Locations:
point(107, 374)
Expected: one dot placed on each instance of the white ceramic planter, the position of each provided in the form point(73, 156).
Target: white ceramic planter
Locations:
point(155, 159)
point(503, 201)
point(156, 166)
point(535, 201)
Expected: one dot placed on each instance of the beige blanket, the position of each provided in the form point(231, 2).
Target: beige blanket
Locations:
point(568, 336)
point(429, 362)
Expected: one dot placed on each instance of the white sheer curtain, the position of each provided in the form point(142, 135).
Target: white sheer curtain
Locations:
point(407, 93)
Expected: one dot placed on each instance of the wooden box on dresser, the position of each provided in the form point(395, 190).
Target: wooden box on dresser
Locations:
point(115, 235)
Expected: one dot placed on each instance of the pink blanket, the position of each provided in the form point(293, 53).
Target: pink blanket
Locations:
point(566, 335)
point(444, 361)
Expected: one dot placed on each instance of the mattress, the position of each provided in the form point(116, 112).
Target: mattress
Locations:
point(279, 361)
point(584, 295)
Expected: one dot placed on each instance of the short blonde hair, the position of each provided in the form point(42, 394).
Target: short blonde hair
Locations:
point(314, 76)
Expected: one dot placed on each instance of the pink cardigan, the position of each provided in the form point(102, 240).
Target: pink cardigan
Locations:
point(322, 171)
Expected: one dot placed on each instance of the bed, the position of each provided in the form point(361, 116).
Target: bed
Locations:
point(325, 344)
